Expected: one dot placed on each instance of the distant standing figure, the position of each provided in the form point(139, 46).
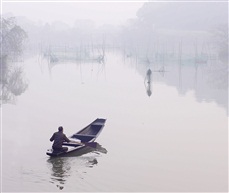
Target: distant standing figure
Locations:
point(58, 138)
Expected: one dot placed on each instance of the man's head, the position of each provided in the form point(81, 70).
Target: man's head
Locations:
point(60, 129)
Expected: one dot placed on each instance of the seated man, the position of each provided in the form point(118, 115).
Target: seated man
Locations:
point(58, 138)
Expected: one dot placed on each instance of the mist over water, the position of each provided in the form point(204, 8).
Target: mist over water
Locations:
point(160, 80)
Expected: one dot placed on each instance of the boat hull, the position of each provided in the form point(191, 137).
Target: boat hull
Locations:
point(86, 136)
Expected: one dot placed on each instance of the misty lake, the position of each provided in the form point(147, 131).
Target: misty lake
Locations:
point(166, 128)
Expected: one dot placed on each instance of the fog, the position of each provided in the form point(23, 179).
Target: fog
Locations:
point(158, 71)
point(152, 34)
point(100, 12)
point(128, 24)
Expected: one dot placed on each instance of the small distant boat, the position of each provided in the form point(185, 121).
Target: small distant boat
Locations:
point(83, 138)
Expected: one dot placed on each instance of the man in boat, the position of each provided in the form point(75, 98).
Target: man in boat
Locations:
point(58, 138)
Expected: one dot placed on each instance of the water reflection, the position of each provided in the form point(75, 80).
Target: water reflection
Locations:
point(60, 171)
point(161, 71)
point(197, 68)
point(148, 79)
point(12, 81)
point(80, 54)
point(147, 82)
point(61, 166)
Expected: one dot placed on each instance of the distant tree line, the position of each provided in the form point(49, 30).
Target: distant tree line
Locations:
point(169, 23)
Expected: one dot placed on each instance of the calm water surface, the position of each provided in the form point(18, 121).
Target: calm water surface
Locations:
point(164, 132)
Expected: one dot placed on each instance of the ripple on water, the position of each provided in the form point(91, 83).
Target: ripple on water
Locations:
point(74, 170)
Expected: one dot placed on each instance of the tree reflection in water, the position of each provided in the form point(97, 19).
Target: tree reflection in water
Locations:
point(11, 77)
point(12, 81)
point(62, 167)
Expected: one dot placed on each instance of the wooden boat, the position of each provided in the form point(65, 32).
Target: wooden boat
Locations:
point(82, 139)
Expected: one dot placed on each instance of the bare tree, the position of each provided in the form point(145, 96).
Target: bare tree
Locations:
point(12, 37)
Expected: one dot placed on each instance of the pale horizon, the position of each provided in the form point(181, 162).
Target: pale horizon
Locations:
point(113, 13)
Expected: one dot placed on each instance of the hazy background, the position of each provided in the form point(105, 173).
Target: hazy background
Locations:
point(157, 71)
point(102, 13)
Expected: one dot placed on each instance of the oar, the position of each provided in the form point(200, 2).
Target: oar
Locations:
point(90, 144)
point(74, 143)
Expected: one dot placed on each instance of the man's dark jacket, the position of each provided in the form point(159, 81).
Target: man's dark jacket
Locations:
point(59, 138)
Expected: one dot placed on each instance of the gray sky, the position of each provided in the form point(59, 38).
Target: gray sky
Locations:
point(100, 12)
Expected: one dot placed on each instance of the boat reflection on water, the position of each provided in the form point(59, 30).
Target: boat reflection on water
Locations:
point(59, 171)
point(63, 167)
